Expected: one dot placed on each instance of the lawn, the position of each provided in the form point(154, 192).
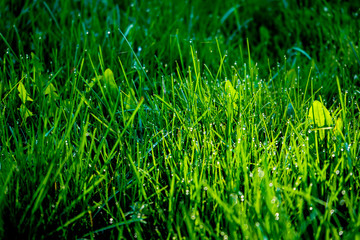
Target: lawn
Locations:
point(179, 119)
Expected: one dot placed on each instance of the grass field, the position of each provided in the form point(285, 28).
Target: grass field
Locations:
point(179, 119)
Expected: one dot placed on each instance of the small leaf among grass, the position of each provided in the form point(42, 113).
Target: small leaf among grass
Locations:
point(130, 103)
point(23, 95)
point(230, 91)
point(51, 92)
point(25, 112)
point(338, 126)
point(231, 94)
point(320, 116)
point(110, 80)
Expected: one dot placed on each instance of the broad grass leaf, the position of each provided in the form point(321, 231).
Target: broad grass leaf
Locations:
point(93, 82)
point(37, 65)
point(110, 80)
point(51, 91)
point(230, 91)
point(23, 95)
point(130, 100)
point(52, 95)
point(231, 94)
point(320, 116)
point(130, 103)
point(25, 112)
point(339, 125)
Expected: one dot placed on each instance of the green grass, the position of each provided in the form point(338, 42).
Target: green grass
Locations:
point(201, 129)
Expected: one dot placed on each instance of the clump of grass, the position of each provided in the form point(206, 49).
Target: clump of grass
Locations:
point(113, 126)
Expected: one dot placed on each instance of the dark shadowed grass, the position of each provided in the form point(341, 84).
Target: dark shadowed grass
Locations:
point(201, 128)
